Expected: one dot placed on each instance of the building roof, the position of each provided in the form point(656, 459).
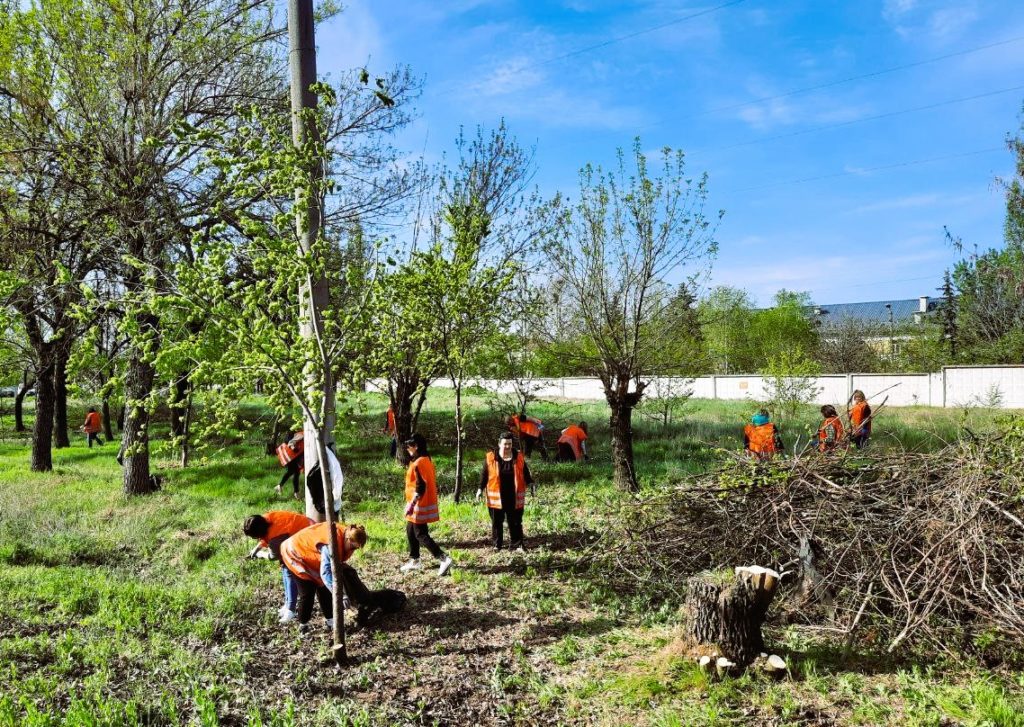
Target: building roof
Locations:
point(877, 312)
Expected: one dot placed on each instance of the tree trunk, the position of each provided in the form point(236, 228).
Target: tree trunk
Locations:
point(19, 402)
point(178, 394)
point(275, 434)
point(622, 447)
point(42, 429)
point(401, 403)
point(108, 430)
point(60, 400)
point(186, 425)
point(460, 437)
point(135, 438)
point(702, 610)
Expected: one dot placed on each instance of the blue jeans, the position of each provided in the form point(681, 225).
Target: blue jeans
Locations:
point(291, 589)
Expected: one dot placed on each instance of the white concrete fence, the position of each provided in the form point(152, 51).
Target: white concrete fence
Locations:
point(954, 386)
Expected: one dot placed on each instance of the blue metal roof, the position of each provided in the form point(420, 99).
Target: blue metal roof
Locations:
point(874, 312)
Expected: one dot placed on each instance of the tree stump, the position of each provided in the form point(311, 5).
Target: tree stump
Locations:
point(702, 610)
point(731, 617)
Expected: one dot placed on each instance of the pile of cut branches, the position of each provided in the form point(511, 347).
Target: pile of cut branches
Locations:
point(892, 548)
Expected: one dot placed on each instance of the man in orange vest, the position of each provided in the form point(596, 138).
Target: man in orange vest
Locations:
point(830, 433)
point(271, 529)
point(860, 420)
point(505, 477)
point(572, 444)
point(530, 431)
point(307, 556)
point(761, 438)
point(93, 425)
point(421, 506)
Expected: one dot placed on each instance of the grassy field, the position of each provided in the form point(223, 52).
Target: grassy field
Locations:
point(144, 611)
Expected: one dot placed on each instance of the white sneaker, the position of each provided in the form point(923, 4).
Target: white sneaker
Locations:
point(446, 563)
point(285, 615)
point(330, 624)
point(411, 565)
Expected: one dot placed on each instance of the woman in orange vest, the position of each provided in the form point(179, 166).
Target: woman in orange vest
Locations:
point(391, 428)
point(290, 455)
point(761, 438)
point(572, 444)
point(505, 477)
point(93, 425)
point(830, 433)
point(307, 556)
point(421, 506)
point(530, 431)
point(860, 420)
point(271, 529)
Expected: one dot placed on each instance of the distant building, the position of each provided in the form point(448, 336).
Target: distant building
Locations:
point(884, 323)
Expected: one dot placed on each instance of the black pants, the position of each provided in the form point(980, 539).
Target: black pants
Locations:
point(418, 534)
point(860, 441)
point(530, 442)
point(393, 448)
point(565, 453)
point(291, 470)
point(353, 587)
point(94, 437)
point(515, 527)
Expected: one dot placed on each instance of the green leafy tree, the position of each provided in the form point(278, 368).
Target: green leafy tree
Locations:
point(622, 248)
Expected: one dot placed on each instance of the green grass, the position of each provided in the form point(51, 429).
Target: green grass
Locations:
point(117, 611)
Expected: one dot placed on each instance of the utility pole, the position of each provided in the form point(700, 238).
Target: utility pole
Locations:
point(314, 293)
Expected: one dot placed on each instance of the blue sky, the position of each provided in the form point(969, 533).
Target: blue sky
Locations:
point(820, 194)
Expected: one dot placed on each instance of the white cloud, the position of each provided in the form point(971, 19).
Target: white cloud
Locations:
point(349, 40)
point(912, 20)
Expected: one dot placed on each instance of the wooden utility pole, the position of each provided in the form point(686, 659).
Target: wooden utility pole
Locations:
point(317, 431)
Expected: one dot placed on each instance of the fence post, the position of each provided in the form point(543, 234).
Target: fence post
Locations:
point(943, 387)
point(714, 387)
point(849, 387)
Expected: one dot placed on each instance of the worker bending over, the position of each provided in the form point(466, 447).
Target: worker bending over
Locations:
point(572, 443)
point(761, 438)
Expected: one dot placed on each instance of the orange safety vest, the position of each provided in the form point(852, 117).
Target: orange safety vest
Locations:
point(291, 450)
point(573, 436)
point(425, 510)
point(284, 522)
point(526, 425)
point(836, 426)
point(301, 552)
point(92, 423)
point(760, 439)
point(391, 421)
point(858, 414)
point(494, 481)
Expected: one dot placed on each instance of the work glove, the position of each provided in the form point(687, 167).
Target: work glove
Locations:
point(409, 508)
point(479, 494)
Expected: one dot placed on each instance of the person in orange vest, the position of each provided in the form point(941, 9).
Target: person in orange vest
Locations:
point(505, 477)
point(391, 429)
point(290, 455)
point(860, 420)
point(530, 431)
point(93, 425)
point(271, 529)
point(572, 444)
point(421, 506)
point(830, 433)
point(307, 556)
point(761, 438)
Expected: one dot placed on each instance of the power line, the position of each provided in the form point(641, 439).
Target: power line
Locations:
point(840, 124)
point(628, 36)
point(850, 79)
point(871, 169)
point(618, 39)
